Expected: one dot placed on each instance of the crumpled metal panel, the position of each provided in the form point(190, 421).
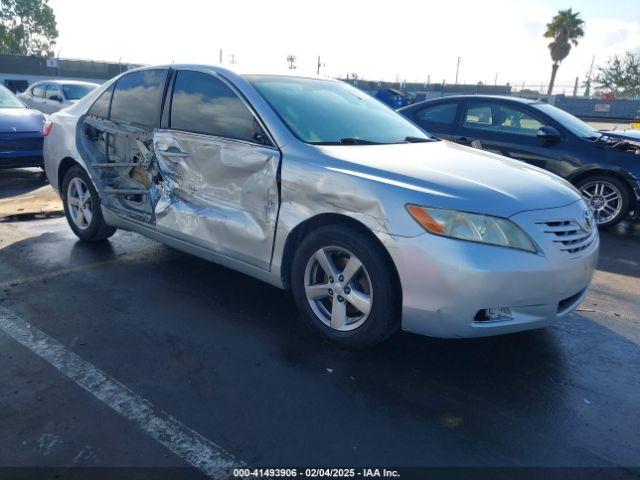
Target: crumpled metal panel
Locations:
point(112, 154)
point(220, 194)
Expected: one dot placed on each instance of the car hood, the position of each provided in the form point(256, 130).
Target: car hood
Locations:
point(623, 134)
point(457, 177)
point(20, 120)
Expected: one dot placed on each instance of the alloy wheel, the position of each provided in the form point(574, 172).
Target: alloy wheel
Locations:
point(79, 203)
point(604, 199)
point(338, 288)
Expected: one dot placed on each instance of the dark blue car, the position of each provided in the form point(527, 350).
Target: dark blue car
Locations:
point(21, 133)
point(394, 98)
point(605, 169)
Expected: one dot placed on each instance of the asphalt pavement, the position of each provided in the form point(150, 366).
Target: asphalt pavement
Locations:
point(128, 353)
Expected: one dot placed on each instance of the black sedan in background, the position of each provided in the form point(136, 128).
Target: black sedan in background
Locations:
point(606, 169)
point(21, 133)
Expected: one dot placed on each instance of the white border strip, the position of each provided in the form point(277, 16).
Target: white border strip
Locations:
point(177, 437)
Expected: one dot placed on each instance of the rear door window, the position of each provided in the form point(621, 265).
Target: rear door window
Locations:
point(53, 91)
point(444, 113)
point(202, 103)
point(137, 97)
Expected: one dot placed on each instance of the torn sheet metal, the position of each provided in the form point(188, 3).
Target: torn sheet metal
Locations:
point(121, 165)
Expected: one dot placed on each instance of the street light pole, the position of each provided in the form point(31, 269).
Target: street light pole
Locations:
point(291, 59)
point(320, 64)
point(458, 69)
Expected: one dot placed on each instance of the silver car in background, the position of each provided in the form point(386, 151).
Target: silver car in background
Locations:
point(49, 96)
point(312, 185)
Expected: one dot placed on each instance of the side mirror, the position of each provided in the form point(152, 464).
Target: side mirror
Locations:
point(56, 98)
point(549, 134)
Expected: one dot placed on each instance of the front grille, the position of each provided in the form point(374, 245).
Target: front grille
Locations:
point(21, 145)
point(569, 235)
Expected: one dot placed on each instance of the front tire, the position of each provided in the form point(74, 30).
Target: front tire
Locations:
point(345, 287)
point(607, 196)
point(82, 207)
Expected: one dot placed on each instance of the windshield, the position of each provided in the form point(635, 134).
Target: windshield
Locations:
point(325, 112)
point(8, 99)
point(573, 124)
point(76, 92)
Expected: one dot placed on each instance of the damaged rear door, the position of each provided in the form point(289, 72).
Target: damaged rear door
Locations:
point(218, 169)
point(116, 142)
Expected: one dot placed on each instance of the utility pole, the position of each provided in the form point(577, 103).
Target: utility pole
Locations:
point(320, 64)
point(458, 69)
point(587, 90)
point(495, 79)
point(575, 88)
point(291, 59)
point(220, 57)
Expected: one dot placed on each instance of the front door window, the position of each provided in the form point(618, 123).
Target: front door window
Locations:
point(499, 118)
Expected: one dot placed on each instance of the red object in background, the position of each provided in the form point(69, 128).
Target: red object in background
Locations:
point(607, 96)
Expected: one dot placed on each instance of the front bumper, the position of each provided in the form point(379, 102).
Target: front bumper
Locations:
point(446, 282)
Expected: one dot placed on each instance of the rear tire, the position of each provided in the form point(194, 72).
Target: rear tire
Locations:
point(355, 306)
point(82, 207)
point(607, 196)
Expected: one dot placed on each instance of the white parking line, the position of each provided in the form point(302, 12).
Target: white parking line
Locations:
point(177, 437)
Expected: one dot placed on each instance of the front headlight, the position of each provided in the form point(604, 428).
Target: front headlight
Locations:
point(472, 227)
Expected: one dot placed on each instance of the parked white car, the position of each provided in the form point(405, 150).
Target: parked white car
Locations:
point(49, 96)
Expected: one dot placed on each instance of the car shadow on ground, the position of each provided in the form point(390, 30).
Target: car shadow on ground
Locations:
point(620, 249)
point(18, 181)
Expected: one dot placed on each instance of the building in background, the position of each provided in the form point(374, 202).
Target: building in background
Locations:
point(17, 72)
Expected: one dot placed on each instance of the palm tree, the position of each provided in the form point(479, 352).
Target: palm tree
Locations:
point(565, 28)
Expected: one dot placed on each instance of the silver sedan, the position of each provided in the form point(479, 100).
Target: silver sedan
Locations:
point(312, 185)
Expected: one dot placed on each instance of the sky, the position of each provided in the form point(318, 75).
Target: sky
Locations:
point(406, 40)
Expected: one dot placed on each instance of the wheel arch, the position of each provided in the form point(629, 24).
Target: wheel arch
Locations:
point(63, 168)
point(297, 235)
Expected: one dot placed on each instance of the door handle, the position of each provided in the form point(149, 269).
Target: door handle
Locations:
point(170, 151)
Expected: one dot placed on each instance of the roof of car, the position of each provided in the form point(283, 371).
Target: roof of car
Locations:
point(65, 82)
point(218, 69)
point(476, 97)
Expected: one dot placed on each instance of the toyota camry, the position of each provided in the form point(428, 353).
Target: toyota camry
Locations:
point(312, 185)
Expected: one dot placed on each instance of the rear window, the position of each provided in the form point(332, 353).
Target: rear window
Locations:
point(137, 97)
point(100, 107)
point(442, 113)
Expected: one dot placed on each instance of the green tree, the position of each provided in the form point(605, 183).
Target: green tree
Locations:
point(27, 27)
point(620, 76)
point(565, 29)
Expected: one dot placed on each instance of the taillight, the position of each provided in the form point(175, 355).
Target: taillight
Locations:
point(48, 125)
